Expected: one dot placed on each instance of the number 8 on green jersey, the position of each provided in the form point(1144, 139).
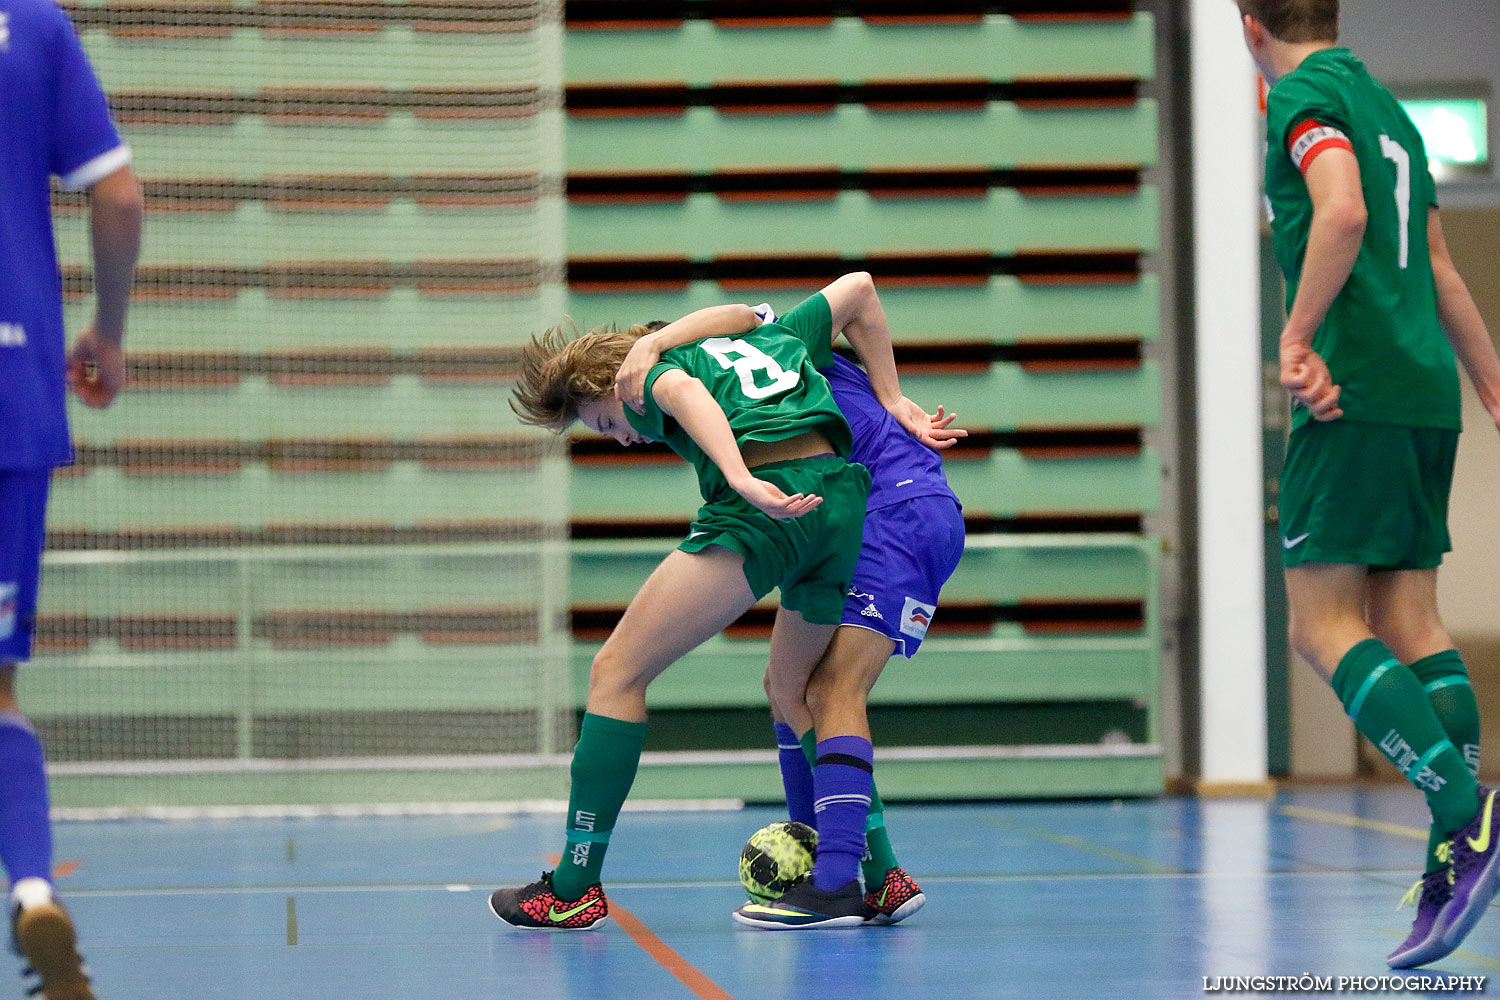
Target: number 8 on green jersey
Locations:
point(768, 385)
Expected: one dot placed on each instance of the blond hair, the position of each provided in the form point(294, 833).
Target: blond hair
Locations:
point(1296, 20)
point(560, 373)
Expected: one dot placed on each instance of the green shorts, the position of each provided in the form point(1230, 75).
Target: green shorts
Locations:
point(1369, 494)
point(811, 558)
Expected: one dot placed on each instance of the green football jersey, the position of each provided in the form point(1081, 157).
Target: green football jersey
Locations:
point(1381, 337)
point(767, 383)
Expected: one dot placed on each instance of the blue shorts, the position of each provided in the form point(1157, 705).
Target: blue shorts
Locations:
point(23, 525)
point(909, 551)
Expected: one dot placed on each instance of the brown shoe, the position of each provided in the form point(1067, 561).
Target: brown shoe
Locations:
point(45, 938)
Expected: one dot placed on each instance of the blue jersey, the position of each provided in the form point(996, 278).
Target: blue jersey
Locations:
point(901, 467)
point(54, 120)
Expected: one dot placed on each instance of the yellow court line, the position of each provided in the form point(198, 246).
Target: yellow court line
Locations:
point(1084, 845)
point(1396, 830)
point(1340, 819)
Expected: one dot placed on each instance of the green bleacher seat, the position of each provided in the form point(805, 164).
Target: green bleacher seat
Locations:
point(855, 136)
point(1001, 311)
point(854, 224)
point(850, 49)
point(999, 484)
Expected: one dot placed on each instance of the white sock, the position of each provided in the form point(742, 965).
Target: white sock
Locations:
point(30, 892)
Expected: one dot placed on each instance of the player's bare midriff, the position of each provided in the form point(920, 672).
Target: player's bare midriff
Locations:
point(802, 446)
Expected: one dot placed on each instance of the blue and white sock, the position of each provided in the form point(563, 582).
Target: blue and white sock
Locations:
point(842, 778)
point(25, 829)
point(796, 775)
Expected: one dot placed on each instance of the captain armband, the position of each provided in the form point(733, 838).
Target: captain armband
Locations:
point(1312, 138)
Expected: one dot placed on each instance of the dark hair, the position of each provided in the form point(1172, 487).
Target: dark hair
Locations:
point(1296, 20)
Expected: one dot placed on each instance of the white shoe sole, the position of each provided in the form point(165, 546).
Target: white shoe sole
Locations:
point(903, 911)
point(832, 923)
point(1421, 953)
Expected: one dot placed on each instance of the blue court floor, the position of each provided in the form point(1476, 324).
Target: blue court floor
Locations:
point(1096, 899)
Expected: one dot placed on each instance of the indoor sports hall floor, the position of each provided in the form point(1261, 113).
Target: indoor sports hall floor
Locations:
point(1094, 899)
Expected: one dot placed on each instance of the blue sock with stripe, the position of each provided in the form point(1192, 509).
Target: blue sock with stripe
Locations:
point(1388, 705)
point(796, 775)
point(842, 779)
point(879, 857)
point(25, 828)
point(1446, 682)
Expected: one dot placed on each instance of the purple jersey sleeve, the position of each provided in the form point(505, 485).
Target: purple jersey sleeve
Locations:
point(901, 467)
point(84, 145)
point(54, 120)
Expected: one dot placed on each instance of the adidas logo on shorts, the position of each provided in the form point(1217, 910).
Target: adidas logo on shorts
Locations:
point(871, 611)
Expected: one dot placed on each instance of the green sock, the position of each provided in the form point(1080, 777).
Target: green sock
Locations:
point(604, 763)
point(879, 857)
point(1388, 705)
point(1446, 682)
point(809, 743)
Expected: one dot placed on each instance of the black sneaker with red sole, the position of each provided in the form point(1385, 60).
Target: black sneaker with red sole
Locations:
point(537, 907)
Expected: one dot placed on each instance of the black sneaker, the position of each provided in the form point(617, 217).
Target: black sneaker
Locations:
point(45, 937)
point(537, 907)
point(804, 907)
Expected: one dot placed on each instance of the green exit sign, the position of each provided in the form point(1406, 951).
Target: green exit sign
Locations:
point(1454, 130)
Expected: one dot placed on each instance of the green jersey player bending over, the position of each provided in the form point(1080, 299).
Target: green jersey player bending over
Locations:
point(783, 506)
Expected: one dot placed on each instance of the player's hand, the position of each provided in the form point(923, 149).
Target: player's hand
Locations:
point(96, 369)
point(630, 380)
point(1305, 375)
point(769, 499)
point(935, 430)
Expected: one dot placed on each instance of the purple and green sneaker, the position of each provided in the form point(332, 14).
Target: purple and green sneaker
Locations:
point(804, 907)
point(1425, 942)
point(1476, 873)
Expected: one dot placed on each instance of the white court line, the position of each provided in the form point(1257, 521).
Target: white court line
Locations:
point(649, 759)
point(1400, 875)
point(375, 810)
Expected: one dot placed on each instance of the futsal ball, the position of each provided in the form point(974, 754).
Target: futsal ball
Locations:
point(777, 857)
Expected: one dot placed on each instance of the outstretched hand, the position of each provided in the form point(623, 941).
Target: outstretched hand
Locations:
point(96, 369)
point(932, 429)
point(769, 499)
point(1305, 375)
point(630, 380)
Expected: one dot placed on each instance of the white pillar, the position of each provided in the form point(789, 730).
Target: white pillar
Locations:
point(1226, 267)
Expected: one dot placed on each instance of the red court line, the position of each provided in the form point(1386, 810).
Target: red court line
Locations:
point(702, 987)
point(684, 971)
point(65, 869)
